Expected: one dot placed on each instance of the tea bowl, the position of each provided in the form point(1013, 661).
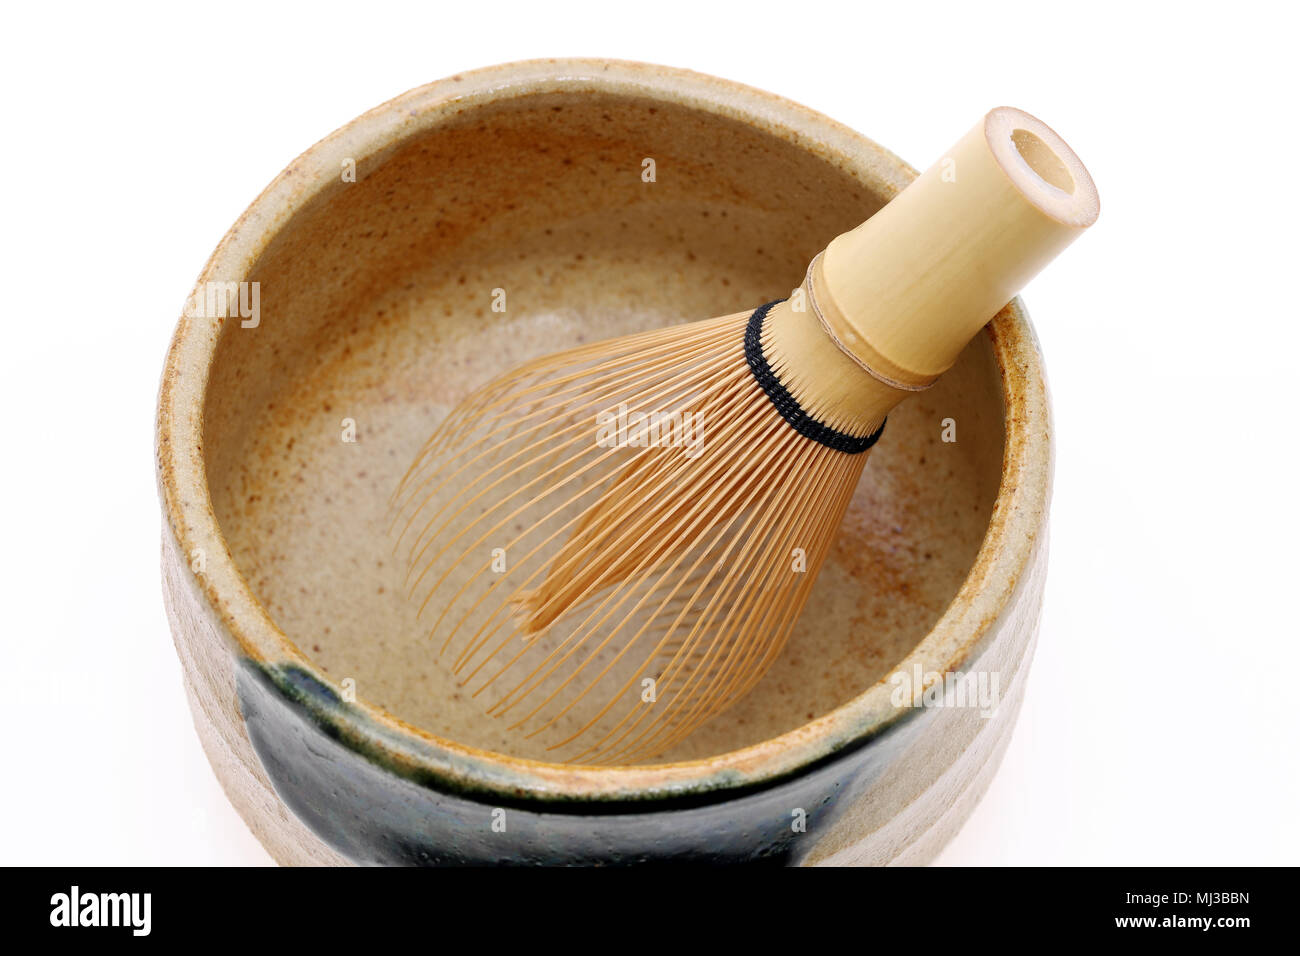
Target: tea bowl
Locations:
point(352, 305)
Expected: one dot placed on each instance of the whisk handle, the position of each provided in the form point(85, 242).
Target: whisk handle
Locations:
point(905, 291)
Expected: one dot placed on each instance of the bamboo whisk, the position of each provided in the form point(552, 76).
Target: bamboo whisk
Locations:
point(611, 545)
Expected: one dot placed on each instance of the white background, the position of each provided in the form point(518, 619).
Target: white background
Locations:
point(1159, 725)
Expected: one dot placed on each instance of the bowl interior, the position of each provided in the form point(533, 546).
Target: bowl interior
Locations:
point(376, 316)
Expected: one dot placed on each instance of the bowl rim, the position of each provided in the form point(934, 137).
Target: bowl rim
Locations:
point(1009, 545)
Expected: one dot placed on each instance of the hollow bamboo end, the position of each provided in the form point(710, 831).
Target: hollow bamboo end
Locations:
point(906, 290)
point(1042, 166)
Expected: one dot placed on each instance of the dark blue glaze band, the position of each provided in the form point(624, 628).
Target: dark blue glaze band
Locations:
point(372, 813)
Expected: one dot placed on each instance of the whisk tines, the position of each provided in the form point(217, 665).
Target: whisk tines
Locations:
point(607, 544)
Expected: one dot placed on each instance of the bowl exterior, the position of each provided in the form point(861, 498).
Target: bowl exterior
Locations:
point(273, 736)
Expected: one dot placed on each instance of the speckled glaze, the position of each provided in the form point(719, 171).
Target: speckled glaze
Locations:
point(375, 308)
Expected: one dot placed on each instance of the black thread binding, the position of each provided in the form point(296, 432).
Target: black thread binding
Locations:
point(786, 404)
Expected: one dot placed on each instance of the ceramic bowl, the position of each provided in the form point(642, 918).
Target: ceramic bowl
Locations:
point(361, 299)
